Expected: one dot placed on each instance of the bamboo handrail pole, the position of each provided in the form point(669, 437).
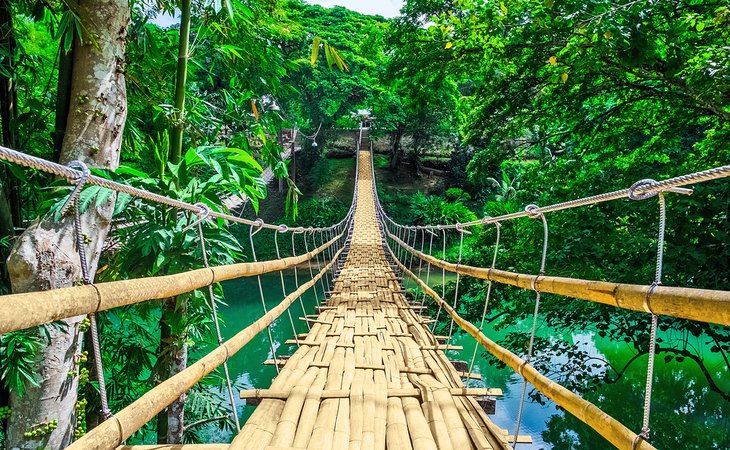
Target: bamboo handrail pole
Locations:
point(126, 422)
point(608, 427)
point(20, 311)
point(703, 305)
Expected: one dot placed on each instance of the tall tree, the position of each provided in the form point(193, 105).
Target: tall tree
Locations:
point(45, 257)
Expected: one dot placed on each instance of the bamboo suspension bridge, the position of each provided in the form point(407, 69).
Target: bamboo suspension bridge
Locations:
point(369, 373)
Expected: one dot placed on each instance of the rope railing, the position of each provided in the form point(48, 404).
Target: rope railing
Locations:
point(72, 175)
point(640, 190)
point(112, 433)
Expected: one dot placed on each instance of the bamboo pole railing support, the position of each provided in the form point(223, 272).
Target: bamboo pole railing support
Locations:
point(126, 422)
point(703, 305)
point(614, 431)
point(20, 311)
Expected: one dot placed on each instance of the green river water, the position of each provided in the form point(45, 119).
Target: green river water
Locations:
point(685, 413)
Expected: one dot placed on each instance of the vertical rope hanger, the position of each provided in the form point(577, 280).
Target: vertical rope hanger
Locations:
point(462, 231)
point(319, 266)
point(72, 200)
point(645, 430)
point(420, 261)
point(533, 214)
point(443, 278)
point(296, 280)
point(284, 229)
point(311, 272)
point(486, 299)
point(202, 216)
point(413, 245)
point(428, 269)
point(251, 234)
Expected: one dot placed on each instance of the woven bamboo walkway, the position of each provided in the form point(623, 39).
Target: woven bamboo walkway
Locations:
point(369, 374)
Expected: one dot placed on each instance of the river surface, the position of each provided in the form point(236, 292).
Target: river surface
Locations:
point(686, 414)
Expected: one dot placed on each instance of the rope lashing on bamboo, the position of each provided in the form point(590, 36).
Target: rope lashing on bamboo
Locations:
point(73, 201)
point(214, 310)
point(461, 231)
point(20, 311)
point(608, 427)
point(251, 234)
point(645, 431)
point(126, 422)
point(533, 214)
point(284, 229)
point(704, 305)
point(486, 298)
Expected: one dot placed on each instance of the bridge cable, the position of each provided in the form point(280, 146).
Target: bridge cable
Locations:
point(415, 236)
point(443, 278)
point(311, 273)
point(428, 269)
point(533, 211)
point(645, 431)
point(251, 234)
point(420, 261)
point(296, 279)
point(73, 201)
point(462, 231)
point(284, 229)
point(319, 265)
point(205, 212)
point(486, 299)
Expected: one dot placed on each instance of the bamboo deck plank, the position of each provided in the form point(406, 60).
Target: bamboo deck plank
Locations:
point(369, 374)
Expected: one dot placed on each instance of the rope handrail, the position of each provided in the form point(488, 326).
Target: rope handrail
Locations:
point(72, 175)
point(20, 311)
point(704, 305)
point(111, 433)
point(608, 427)
point(641, 190)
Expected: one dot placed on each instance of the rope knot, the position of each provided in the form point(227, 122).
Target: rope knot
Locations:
point(79, 182)
point(642, 184)
point(283, 228)
point(533, 211)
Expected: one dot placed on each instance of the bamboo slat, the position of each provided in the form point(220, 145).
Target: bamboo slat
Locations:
point(704, 305)
point(374, 359)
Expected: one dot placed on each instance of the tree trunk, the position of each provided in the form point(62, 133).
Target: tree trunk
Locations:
point(174, 351)
point(178, 125)
point(170, 420)
point(9, 106)
point(395, 155)
point(45, 257)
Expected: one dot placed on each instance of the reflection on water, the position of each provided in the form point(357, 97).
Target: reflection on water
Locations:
point(685, 413)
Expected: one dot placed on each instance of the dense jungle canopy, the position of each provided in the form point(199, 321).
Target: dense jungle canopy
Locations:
point(478, 108)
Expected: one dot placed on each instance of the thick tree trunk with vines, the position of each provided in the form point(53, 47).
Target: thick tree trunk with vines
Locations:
point(45, 256)
point(9, 196)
